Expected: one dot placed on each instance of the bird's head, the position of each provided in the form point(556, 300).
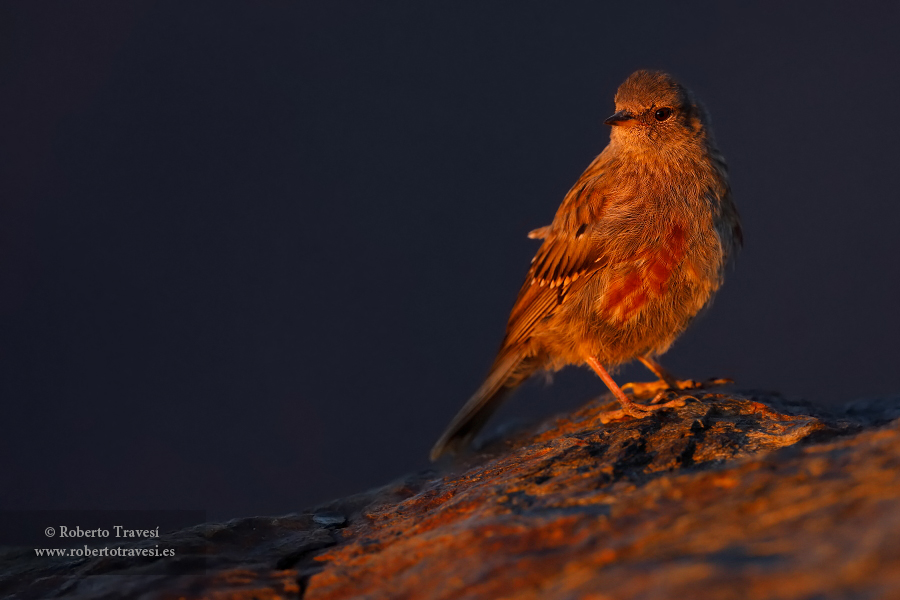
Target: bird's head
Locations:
point(654, 112)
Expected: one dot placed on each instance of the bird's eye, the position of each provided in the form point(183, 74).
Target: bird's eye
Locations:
point(662, 114)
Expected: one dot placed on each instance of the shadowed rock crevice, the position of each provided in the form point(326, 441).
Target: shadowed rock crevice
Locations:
point(733, 495)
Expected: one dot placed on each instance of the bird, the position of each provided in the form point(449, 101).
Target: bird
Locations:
point(638, 247)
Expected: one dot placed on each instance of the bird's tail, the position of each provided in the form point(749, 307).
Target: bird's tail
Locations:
point(509, 370)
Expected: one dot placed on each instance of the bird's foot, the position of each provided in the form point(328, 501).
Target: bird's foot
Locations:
point(639, 411)
point(662, 392)
point(647, 388)
point(656, 388)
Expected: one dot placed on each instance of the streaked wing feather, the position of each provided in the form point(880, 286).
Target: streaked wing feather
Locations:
point(567, 255)
point(560, 264)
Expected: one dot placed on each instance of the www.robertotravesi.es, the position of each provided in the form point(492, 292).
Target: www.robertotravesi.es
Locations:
point(105, 551)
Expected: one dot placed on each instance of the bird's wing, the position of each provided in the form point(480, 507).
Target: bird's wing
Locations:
point(570, 252)
point(539, 233)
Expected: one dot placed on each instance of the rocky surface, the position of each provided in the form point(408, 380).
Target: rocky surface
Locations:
point(733, 495)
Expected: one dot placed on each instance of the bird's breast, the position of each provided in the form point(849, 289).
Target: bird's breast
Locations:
point(646, 276)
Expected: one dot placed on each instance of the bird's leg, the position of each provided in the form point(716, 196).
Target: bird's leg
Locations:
point(629, 407)
point(667, 382)
point(664, 376)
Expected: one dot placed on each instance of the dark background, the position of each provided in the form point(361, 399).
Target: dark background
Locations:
point(255, 255)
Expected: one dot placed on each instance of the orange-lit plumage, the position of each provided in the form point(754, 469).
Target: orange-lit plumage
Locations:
point(637, 248)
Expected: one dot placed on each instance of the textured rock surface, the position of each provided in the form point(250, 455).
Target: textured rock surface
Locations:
point(732, 496)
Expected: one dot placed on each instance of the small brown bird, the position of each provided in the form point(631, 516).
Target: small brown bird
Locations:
point(638, 246)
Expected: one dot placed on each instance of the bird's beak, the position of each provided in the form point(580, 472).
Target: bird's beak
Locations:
point(619, 118)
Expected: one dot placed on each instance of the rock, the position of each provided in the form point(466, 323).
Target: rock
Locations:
point(737, 495)
point(330, 519)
